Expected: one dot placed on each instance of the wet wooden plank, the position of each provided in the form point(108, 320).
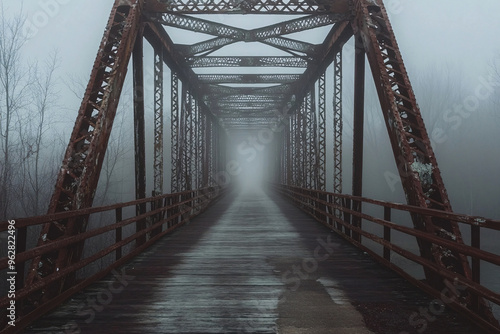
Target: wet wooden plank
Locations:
point(252, 263)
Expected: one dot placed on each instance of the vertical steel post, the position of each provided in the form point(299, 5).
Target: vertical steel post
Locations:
point(313, 127)
point(321, 165)
point(79, 174)
point(337, 130)
point(118, 233)
point(139, 133)
point(158, 122)
point(188, 140)
point(174, 127)
point(358, 127)
point(387, 233)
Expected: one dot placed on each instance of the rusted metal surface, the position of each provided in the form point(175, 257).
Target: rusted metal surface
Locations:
point(416, 161)
point(337, 126)
point(79, 174)
point(470, 302)
point(321, 133)
point(358, 130)
point(139, 131)
point(174, 128)
point(248, 6)
point(158, 122)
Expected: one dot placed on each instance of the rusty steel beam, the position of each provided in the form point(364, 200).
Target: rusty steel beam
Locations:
point(218, 91)
point(199, 25)
point(139, 132)
point(235, 61)
point(250, 98)
point(335, 40)
point(157, 37)
point(81, 167)
point(207, 154)
point(337, 132)
point(417, 166)
point(247, 78)
point(253, 35)
point(204, 48)
point(271, 35)
point(358, 131)
point(249, 6)
point(311, 140)
point(289, 150)
point(174, 128)
point(186, 140)
point(238, 106)
point(158, 123)
point(293, 46)
point(321, 165)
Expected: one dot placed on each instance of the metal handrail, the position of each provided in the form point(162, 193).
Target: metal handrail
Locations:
point(321, 206)
point(168, 210)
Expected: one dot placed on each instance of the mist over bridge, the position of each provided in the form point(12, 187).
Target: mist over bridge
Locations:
point(271, 103)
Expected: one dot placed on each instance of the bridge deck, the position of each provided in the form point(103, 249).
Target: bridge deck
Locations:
point(252, 263)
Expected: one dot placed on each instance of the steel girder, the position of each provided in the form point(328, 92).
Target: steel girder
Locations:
point(175, 128)
point(139, 132)
point(311, 153)
point(247, 78)
point(252, 99)
point(233, 61)
point(158, 122)
point(337, 129)
point(417, 166)
point(249, 6)
point(81, 167)
point(270, 35)
point(243, 106)
point(321, 165)
point(187, 142)
point(221, 30)
point(333, 43)
point(217, 91)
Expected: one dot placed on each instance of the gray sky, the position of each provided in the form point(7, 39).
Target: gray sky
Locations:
point(463, 33)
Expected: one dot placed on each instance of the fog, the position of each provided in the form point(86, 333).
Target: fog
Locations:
point(451, 53)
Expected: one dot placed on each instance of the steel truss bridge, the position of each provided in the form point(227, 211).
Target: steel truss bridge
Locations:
point(213, 93)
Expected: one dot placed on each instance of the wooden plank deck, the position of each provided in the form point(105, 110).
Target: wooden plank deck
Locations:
point(252, 263)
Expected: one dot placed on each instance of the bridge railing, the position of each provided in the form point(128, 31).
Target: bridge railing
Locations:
point(165, 213)
point(466, 295)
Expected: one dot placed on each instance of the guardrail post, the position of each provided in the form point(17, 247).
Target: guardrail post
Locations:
point(387, 233)
point(347, 216)
point(156, 204)
point(118, 233)
point(475, 233)
point(170, 212)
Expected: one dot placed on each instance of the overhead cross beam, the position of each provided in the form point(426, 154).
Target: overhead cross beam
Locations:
point(234, 61)
point(249, 6)
point(270, 35)
point(247, 78)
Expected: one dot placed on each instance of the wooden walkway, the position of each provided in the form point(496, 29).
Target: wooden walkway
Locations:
point(252, 263)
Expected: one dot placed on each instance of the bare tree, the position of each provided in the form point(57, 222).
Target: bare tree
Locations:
point(37, 167)
point(13, 97)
